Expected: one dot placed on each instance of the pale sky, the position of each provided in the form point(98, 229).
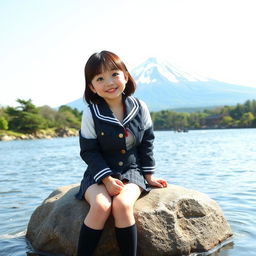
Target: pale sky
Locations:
point(44, 44)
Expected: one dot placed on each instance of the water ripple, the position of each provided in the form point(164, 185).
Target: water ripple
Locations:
point(220, 163)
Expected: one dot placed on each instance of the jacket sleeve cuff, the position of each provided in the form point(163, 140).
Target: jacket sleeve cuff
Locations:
point(148, 169)
point(102, 174)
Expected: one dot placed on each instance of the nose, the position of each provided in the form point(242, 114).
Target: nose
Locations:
point(109, 81)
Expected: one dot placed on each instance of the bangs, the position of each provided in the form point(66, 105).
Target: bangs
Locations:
point(101, 62)
point(109, 63)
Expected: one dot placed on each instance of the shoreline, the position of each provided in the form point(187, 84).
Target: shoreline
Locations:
point(71, 132)
point(43, 134)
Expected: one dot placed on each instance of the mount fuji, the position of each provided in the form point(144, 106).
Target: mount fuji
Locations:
point(164, 86)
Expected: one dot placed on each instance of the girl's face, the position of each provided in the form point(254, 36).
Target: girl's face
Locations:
point(109, 84)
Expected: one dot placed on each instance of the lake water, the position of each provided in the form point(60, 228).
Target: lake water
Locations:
point(220, 163)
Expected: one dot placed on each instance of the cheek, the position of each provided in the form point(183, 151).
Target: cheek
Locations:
point(92, 88)
point(123, 81)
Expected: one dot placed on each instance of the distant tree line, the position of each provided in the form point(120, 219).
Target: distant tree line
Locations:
point(27, 118)
point(239, 116)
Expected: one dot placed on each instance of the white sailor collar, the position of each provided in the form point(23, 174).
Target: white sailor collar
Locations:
point(104, 113)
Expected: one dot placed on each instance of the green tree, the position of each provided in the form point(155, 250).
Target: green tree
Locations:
point(3, 123)
point(50, 115)
point(227, 121)
point(27, 122)
point(225, 110)
point(237, 112)
point(70, 116)
point(181, 120)
point(71, 120)
point(194, 120)
point(247, 119)
point(74, 111)
point(160, 119)
point(25, 117)
point(27, 106)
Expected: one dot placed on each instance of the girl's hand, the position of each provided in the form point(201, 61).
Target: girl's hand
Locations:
point(113, 186)
point(156, 182)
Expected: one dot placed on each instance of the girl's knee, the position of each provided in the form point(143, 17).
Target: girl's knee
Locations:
point(101, 208)
point(120, 206)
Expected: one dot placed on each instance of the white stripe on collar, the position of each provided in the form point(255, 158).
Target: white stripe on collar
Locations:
point(102, 117)
point(115, 120)
point(132, 112)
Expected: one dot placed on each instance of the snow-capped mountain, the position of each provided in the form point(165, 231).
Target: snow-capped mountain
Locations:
point(153, 69)
point(164, 86)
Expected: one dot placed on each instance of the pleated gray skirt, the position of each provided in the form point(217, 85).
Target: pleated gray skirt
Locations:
point(131, 176)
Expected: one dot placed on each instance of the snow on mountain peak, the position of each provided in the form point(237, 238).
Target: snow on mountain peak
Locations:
point(154, 69)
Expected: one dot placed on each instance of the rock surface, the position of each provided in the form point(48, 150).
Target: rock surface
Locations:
point(170, 221)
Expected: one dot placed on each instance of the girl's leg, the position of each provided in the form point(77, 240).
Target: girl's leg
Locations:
point(122, 206)
point(100, 208)
point(122, 209)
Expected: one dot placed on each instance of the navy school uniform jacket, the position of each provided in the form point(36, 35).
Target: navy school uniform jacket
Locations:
point(103, 141)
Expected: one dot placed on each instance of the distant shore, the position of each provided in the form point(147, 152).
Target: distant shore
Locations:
point(69, 132)
point(203, 129)
point(42, 134)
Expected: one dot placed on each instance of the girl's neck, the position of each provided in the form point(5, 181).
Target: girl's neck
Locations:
point(115, 103)
point(116, 107)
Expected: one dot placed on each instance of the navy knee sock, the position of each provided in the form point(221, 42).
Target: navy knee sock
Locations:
point(127, 240)
point(88, 240)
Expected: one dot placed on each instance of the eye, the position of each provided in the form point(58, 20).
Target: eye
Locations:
point(99, 79)
point(116, 74)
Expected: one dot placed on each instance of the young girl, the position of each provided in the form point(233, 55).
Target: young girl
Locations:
point(116, 140)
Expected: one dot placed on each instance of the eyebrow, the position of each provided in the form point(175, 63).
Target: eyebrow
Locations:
point(112, 69)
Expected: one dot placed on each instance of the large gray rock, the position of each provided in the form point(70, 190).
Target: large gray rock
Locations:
point(170, 221)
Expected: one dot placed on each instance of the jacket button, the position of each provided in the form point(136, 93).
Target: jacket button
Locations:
point(121, 163)
point(123, 151)
point(120, 135)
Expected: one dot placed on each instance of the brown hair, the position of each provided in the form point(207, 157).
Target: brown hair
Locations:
point(95, 65)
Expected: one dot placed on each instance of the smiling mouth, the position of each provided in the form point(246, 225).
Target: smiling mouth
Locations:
point(111, 90)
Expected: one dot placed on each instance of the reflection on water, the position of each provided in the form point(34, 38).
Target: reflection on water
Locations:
point(220, 163)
